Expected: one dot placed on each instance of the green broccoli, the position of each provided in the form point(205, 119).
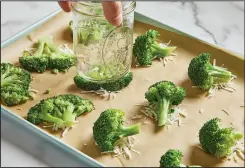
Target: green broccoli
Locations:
point(111, 86)
point(61, 111)
point(216, 140)
point(108, 129)
point(15, 83)
point(91, 32)
point(35, 62)
point(47, 56)
point(164, 94)
point(172, 158)
point(146, 48)
point(105, 71)
point(204, 75)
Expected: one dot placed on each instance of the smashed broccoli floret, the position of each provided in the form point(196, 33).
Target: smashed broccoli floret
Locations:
point(15, 83)
point(108, 129)
point(216, 140)
point(36, 61)
point(146, 48)
point(204, 75)
point(61, 111)
point(164, 94)
point(173, 158)
point(47, 56)
point(115, 85)
point(91, 32)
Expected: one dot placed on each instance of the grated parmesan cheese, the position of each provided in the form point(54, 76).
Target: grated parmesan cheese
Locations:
point(226, 111)
point(229, 86)
point(124, 147)
point(103, 93)
point(65, 131)
point(33, 90)
point(179, 122)
point(55, 127)
point(201, 111)
point(173, 118)
point(165, 59)
point(240, 154)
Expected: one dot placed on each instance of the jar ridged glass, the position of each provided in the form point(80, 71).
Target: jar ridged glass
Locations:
point(104, 52)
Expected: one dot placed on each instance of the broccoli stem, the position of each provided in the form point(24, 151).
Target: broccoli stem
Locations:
point(68, 116)
point(220, 75)
point(159, 51)
point(237, 136)
point(129, 130)
point(49, 118)
point(40, 48)
point(46, 44)
point(163, 109)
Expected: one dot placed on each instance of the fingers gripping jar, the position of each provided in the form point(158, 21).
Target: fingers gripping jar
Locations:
point(104, 52)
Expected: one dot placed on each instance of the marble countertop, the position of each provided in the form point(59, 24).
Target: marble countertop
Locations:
point(220, 23)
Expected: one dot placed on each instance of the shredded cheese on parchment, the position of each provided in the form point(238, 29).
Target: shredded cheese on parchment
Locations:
point(226, 111)
point(103, 93)
point(201, 111)
point(175, 117)
point(124, 147)
point(55, 127)
point(229, 86)
point(165, 59)
point(33, 90)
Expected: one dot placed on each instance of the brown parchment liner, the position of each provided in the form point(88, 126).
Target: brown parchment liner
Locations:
point(152, 142)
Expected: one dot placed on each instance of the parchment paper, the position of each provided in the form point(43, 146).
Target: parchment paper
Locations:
point(152, 143)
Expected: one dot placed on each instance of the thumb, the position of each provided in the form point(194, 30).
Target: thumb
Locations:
point(65, 5)
point(113, 12)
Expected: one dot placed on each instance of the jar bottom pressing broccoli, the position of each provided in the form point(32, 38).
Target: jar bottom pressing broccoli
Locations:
point(104, 52)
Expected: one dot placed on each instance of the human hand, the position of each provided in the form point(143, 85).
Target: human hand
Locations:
point(112, 10)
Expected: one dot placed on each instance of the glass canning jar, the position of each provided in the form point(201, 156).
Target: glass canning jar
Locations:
point(104, 52)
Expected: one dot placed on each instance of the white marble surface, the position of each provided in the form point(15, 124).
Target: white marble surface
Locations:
point(220, 23)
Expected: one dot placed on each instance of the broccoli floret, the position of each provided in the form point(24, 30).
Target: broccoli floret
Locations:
point(112, 86)
point(60, 58)
point(108, 129)
point(146, 48)
point(61, 110)
point(105, 71)
point(47, 56)
point(172, 158)
point(91, 32)
point(216, 140)
point(15, 83)
point(204, 75)
point(164, 94)
point(35, 62)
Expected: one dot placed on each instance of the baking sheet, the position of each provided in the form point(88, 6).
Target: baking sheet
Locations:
point(152, 142)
